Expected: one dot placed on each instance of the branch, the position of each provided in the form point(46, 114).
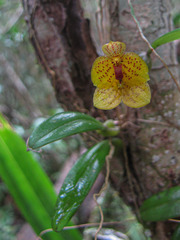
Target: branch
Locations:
point(15, 17)
point(149, 45)
point(18, 85)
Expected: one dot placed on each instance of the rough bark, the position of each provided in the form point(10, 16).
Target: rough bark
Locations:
point(67, 36)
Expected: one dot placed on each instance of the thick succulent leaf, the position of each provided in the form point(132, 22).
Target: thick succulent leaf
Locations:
point(162, 206)
point(60, 126)
point(78, 183)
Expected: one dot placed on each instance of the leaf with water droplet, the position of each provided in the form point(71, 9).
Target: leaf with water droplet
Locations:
point(78, 183)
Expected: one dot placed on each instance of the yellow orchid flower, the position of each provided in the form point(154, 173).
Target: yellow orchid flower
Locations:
point(120, 76)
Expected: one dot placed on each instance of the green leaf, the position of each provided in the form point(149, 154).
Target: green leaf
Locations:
point(20, 186)
point(176, 235)
point(166, 38)
point(60, 126)
point(78, 183)
point(3, 123)
point(162, 206)
point(28, 184)
point(176, 19)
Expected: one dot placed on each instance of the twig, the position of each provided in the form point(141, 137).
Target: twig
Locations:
point(149, 45)
point(174, 220)
point(153, 122)
point(86, 225)
point(96, 195)
point(20, 89)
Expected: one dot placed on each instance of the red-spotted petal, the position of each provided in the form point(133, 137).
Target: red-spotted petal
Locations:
point(103, 73)
point(107, 99)
point(134, 69)
point(113, 49)
point(136, 96)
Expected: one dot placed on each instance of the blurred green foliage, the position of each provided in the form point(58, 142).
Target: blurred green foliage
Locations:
point(7, 227)
point(28, 184)
point(18, 53)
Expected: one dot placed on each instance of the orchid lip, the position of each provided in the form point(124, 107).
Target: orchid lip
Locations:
point(118, 72)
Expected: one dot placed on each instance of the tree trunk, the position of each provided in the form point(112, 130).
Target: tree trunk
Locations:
point(67, 36)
